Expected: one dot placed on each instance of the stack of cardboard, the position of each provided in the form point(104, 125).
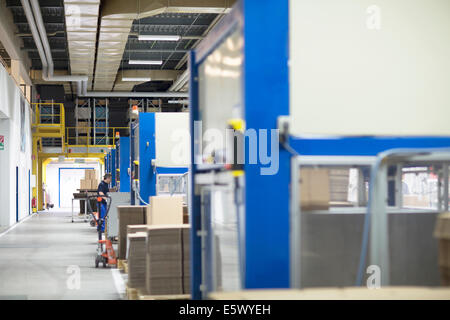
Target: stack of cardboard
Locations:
point(339, 179)
point(137, 259)
point(442, 232)
point(314, 189)
point(165, 210)
point(185, 214)
point(135, 228)
point(168, 267)
point(90, 181)
point(186, 239)
point(128, 215)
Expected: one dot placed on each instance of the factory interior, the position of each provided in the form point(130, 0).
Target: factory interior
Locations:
point(224, 150)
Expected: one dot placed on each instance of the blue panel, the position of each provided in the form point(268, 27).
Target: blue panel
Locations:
point(124, 153)
point(107, 163)
point(363, 146)
point(147, 178)
point(113, 167)
point(195, 201)
point(267, 227)
point(132, 158)
point(164, 170)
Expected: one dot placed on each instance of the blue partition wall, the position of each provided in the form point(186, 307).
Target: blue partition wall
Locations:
point(124, 163)
point(147, 153)
point(265, 78)
point(112, 159)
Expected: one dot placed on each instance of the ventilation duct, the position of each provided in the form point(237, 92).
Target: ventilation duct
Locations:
point(117, 17)
point(34, 18)
point(81, 26)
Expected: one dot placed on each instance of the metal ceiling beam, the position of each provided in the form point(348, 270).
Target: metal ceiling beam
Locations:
point(213, 23)
point(117, 18)
point(127, 50)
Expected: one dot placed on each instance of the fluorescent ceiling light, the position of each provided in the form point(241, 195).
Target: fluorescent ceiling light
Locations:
point(136, 79)
point(159, 37)
point(155, 62)
point(178, 101)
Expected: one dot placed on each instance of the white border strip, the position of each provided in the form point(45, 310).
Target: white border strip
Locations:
point(16, 224)
point(119, 283)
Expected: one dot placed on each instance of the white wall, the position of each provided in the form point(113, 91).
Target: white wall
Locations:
point(12, 156)
point(370, 67)
point(172, 139)
point(52, 179)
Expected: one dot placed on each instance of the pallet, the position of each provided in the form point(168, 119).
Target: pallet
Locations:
point(132, 294)
point(120, 265)
point(125, 266)
point(142, 296)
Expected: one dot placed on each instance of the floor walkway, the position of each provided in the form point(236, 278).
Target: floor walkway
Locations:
point(42, 257)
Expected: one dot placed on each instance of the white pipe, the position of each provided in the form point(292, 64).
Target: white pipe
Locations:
point(35, 33)
point(180, 82)
point(41, 41)
point(48, 76)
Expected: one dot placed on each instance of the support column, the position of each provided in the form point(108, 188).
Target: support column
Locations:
point(34, 170)
point(40, 197)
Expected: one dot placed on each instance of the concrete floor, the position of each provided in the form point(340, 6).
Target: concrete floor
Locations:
point(40, 257)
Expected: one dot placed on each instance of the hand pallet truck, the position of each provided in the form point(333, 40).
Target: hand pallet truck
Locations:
point(107, 257)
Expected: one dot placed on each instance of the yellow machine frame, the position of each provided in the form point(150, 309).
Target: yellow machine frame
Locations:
point(40, 159)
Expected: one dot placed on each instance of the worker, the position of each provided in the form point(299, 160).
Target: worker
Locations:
point(103, 189)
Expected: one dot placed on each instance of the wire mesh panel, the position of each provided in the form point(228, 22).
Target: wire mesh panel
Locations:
point(221, 253)
point(331, 202)
point(328, 235)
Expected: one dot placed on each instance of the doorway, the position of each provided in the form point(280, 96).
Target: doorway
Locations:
point(69, 182)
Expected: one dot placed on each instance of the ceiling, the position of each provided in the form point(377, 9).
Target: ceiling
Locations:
point(191, 26)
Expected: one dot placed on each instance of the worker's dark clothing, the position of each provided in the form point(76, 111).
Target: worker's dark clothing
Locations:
point(103, 187)
point(103, 214)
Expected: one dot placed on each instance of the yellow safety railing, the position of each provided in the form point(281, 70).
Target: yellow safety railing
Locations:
point(86, 137)
point(37, 114)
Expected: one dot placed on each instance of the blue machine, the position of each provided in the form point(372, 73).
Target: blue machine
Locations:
point(265, 226)
point(107, 163)
point(110, 163)
point(112, 167)
point(142, 154)
point(123, 164)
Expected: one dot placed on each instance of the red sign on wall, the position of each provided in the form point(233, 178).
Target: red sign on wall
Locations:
point(2, 143)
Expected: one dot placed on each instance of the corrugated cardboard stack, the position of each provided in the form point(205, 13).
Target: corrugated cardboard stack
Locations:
point(186, 238)
point(442, 232)
point(185, 214)
point(165, 210)
point(90, 181)
point(137, 248)
point(314, 189)
point(128, 215)
point(168, 266)
point(339, 184)
point(135, 228)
